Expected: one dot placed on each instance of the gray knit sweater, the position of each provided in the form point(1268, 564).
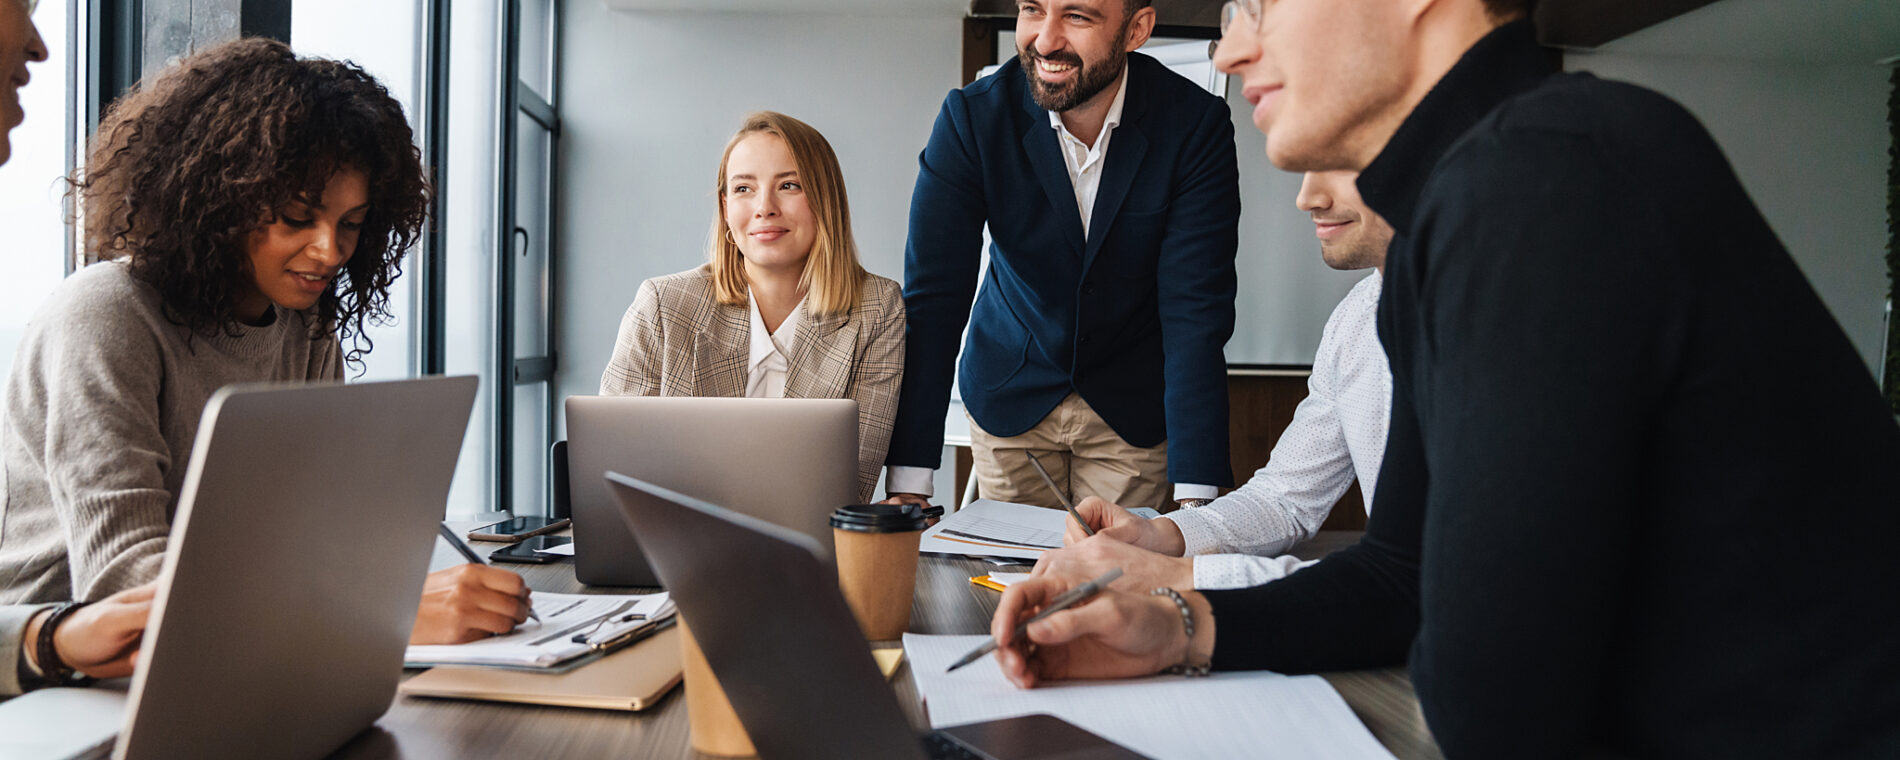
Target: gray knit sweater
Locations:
point(99, 416)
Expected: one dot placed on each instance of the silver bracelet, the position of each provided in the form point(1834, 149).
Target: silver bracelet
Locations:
point(1187, 620)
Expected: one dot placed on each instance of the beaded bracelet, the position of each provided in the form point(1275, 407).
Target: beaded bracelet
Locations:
point(1187, 620)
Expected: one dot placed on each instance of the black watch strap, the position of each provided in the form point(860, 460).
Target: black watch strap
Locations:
point(53, 671)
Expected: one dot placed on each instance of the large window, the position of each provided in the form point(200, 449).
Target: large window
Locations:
point(31, 186)
point(383, 37)
point(479, 87)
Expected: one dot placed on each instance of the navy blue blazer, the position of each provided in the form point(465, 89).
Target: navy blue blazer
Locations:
point(1133, 318)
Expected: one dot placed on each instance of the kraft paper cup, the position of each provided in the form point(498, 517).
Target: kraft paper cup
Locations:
point(877, 564)
point(716, 729)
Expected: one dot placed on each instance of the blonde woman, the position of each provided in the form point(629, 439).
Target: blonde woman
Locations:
point(783, 309)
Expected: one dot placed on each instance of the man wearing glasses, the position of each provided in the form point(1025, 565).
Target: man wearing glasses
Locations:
point(1110, 190)
point(1640, 491)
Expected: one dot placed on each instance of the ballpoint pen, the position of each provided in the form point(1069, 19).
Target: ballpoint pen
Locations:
point(1066, 600)
point(469, 552)
point(1059, 495)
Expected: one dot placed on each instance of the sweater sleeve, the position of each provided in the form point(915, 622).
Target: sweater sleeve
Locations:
point(13, 620)
point(1358, 608)
point(1548, 338)
point(88, 396)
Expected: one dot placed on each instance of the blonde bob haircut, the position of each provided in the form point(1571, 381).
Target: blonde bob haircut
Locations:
point(833, 280)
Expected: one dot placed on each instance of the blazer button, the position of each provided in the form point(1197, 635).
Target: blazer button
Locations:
point(1083, 341)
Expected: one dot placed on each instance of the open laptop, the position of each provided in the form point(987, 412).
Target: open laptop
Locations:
point(303, 534)
point(765, 608)
point(789, 462)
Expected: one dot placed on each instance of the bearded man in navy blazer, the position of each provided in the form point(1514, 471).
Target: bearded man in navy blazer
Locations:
point(1111, 192)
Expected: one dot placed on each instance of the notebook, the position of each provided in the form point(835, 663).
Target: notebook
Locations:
point(632, 679)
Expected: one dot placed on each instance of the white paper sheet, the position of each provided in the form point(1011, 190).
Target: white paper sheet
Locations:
point(550, 641)
point(986, 528)
point(1005, 579)
point(1254, 715)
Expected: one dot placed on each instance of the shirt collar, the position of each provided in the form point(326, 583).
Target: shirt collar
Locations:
point(1114, 118)
point(765, 344)
point(1499, 66)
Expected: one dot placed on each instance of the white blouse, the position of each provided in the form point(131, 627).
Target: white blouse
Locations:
point(771, 352)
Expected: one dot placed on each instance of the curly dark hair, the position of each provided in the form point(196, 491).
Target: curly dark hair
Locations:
point(188, 163)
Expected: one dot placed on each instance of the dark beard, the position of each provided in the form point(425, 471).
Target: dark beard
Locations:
point(1091, 82)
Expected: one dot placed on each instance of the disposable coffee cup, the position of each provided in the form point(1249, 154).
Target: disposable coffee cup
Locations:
point(715, 728)
point(877, 564)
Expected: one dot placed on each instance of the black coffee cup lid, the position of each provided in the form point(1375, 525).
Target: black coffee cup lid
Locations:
point(878, 518)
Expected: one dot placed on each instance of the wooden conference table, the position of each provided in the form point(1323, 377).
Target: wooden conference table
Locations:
point(946, 603)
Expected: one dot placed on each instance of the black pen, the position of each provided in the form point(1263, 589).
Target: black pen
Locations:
point(1068, 599)
point(469, 552)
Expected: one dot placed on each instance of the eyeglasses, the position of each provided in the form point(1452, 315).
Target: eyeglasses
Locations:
point(1231, 11)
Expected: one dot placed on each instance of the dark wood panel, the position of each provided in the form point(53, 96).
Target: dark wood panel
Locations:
point(1259, 410)
point(979, 46)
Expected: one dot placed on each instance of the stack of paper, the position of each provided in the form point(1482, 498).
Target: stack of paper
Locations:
point(987, 528)
point(571, 625)
point(1227, 715)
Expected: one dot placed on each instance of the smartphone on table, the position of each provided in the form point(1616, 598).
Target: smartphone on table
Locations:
point(529, 550)
point(518, 528)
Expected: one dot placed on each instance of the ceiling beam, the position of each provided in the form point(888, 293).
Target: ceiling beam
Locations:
point(1204, 14)
point(1591, 23)
point(1561, 23)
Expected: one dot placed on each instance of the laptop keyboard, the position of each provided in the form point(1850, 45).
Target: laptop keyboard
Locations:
point(939, 746)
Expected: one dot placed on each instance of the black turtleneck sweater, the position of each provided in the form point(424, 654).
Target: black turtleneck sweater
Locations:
point(1640, 496)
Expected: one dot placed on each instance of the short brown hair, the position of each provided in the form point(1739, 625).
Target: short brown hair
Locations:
point(834, 280)
point(188, 164)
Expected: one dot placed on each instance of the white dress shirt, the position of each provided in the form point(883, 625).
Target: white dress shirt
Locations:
point(1338, 432)
point(1085, 164)
point(771, 352)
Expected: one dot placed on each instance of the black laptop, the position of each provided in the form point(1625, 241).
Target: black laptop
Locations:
point(765, 608)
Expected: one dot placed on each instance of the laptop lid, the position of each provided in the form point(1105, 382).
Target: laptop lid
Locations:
point(764, 605)
point(303, 535)
point(789, 462)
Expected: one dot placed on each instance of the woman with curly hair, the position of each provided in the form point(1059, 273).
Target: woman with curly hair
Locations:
point(248, 211)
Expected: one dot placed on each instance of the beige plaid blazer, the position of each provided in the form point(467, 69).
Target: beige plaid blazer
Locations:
point(676, 340)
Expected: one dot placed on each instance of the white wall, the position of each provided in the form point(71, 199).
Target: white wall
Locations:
point(1809, 142)
point(648, 100)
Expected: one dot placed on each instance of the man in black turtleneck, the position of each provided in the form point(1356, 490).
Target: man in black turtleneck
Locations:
point(1640, 494)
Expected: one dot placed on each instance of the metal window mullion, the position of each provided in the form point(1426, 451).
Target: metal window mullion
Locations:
point(432, 312)
point(504, 292)
point(554, 224)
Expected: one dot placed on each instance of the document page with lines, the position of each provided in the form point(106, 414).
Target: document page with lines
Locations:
point(1227, 715)
point(591, 617)
point(986, 528)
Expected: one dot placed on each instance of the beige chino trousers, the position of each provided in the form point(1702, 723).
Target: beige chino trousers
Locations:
point(1083, 455)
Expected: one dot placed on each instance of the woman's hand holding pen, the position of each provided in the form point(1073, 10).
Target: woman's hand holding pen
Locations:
point(1116, 634)
point(467, 602)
